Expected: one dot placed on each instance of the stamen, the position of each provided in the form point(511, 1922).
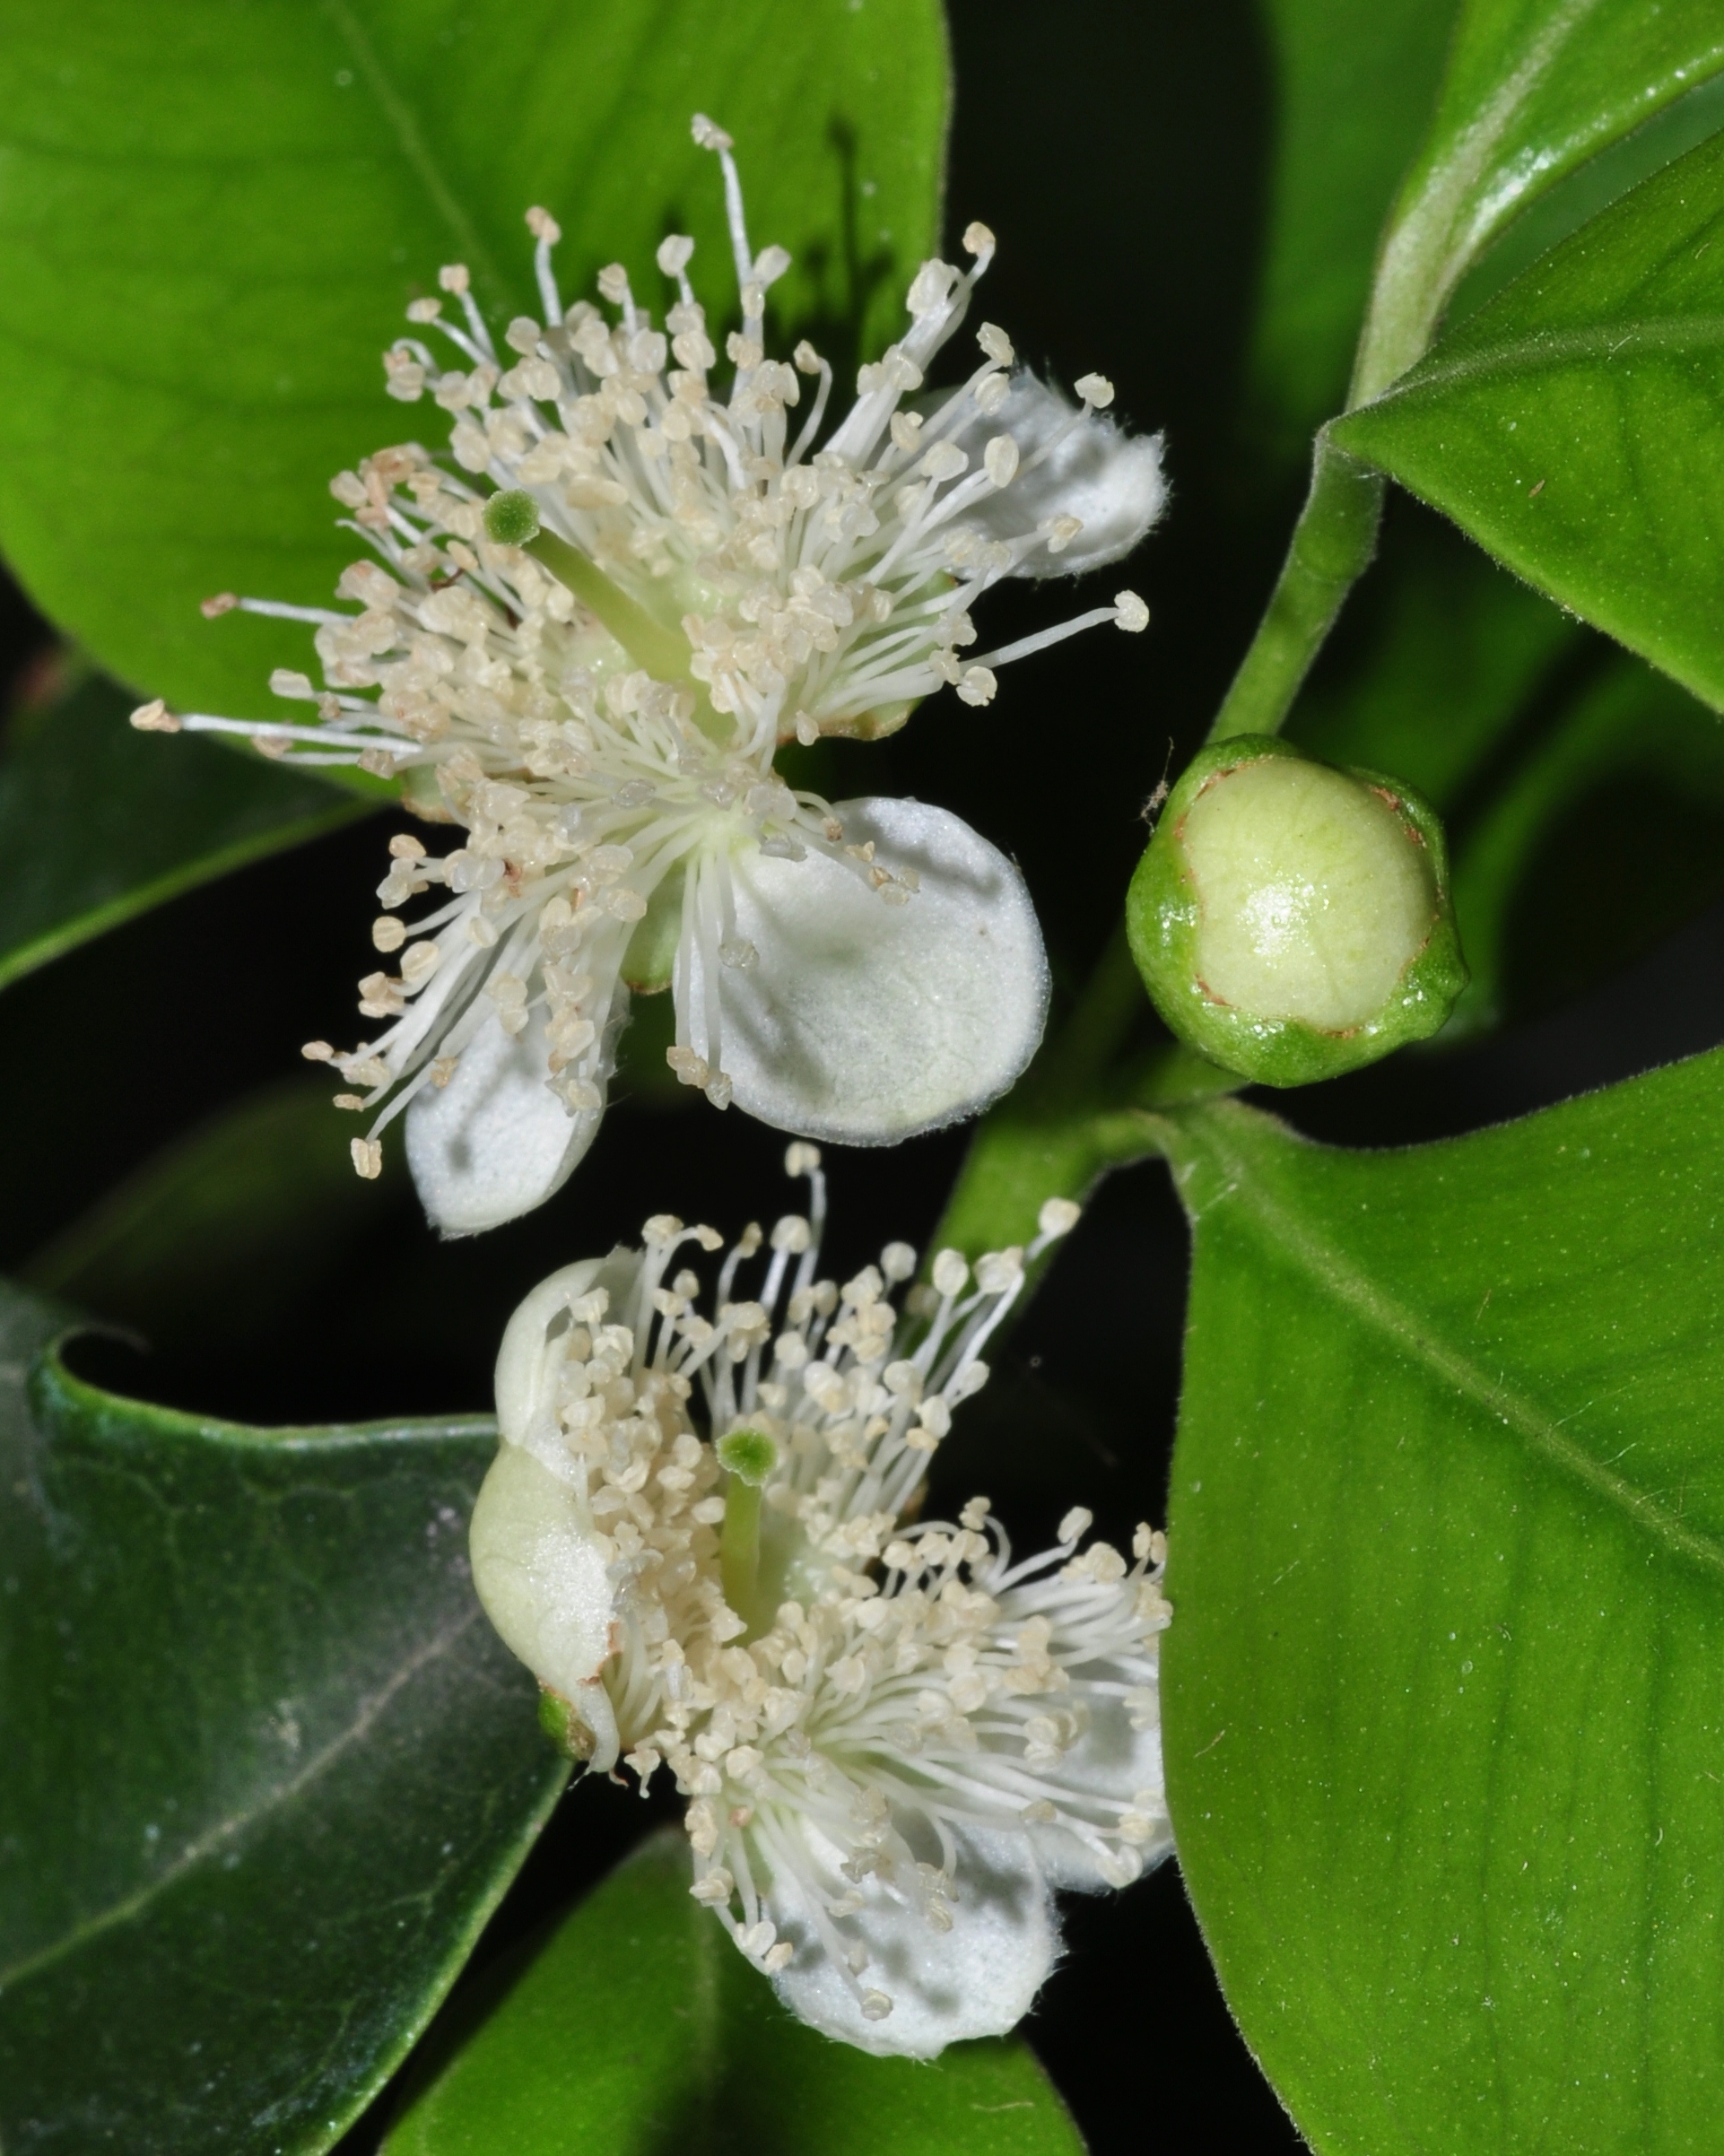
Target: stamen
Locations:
point(510, 645)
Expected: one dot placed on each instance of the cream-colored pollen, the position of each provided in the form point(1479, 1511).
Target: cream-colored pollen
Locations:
point(1313, 896)
point(721, 564)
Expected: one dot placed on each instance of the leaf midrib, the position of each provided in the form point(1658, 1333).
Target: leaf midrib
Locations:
point(1329, 1268)
point(200, 1851)
point(1455, 183)
point(410, 142)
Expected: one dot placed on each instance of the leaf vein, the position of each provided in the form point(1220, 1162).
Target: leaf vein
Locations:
point(200, 1850)
point(410, 141)
point(1329, 1266)
point(1546, 349)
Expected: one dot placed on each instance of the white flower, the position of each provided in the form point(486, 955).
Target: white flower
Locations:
point(896, 1741)
point(589, 629)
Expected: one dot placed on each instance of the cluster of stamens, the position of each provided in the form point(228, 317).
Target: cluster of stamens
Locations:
point(599, 704)
point(819, 1669)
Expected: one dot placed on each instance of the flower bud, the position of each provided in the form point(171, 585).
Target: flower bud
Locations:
point(1292, 919)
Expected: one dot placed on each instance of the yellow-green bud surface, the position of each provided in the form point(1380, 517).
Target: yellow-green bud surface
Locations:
point(1312, 903)
point(1291, 920)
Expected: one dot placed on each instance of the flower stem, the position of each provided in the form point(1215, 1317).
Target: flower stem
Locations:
point(661, 651)
point(1332, 546)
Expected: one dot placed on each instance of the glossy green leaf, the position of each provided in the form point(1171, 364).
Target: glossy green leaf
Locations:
point(267, 1768)
point(1355, 82)
point(1441, 1702)
point(1590, 189)
point(1580, 790)
point(212, 216)
point(1575, 427)
point(97, 823)
point(1605, 833)
point(1534, 88)
point(636, 2026)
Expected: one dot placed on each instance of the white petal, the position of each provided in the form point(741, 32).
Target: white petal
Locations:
point(863, 1022)
point(979, 1978)
point(1113, 1760)
point(539, 1572)
point(528, 1363)
point(495, 1141)
point(1111, 481)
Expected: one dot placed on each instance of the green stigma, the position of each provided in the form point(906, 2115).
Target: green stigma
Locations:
point(512, 517)
point(750, 1454)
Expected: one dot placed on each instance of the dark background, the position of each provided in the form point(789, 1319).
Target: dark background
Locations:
point(1120, 153)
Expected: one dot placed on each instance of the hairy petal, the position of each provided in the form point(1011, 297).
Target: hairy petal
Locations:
point(866, 1022)
point(1111, 481)
point(979, 1978)
point(1112, 1758)
point(542, 1579)
point(528, 1361)
point(495, 1141)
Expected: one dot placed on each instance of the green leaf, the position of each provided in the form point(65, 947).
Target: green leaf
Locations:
point(1581, 791)
point(99, 823)
point(1442, 1705)
point(267, 1768)
point(1590, 189)
point(636, 2025)
point(1606, 833)
point(1533, 89)
point(212, 218)
point(1575, 427)
point(1354, 84)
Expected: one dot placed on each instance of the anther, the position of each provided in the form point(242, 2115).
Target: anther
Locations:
point(1059, 1216)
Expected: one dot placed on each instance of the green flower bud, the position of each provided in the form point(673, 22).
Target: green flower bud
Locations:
point(1292, 919)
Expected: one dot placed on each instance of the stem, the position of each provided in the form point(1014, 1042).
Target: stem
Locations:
point(1332, 546)
point(1022, 1155)
point(661, 651)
